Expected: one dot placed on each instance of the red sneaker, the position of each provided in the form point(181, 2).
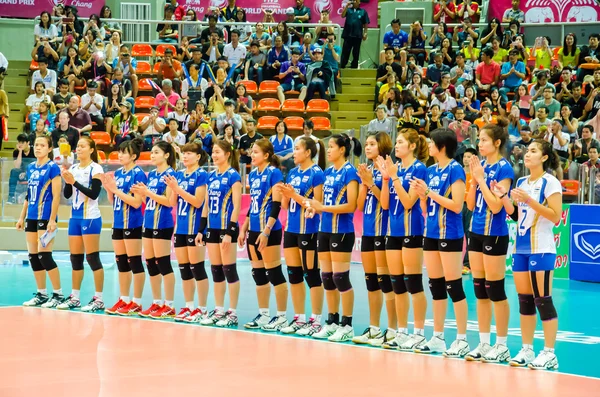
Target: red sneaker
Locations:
point(151, 310)
point(185, 312)
point(117, 306)
point(165, 312)
point(131, 309)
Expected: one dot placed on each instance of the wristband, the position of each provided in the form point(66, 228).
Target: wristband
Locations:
point(203, 223)
point(504, 195)
point(427, 192)
point(232, 229)
point(394, 180)
point(386, 179)
point(371, 187)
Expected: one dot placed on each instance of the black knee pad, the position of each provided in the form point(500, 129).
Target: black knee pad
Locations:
point(371, 281)
point(295, 274)
point(199, 271)
point(398, 284)
point(135, 263)
point(231, 273)
point(479, 288)
point(164, 265)
point(47, 261)
point(217, 273)
point(122, 263)
point(526, 305)
point(546, 308)
point(93, 261)
point(77, 261)
point(342, 281)
point(495, 290)
point(437, 286)
point(275, 276)
point(313, 277)
point(259, 275)
point(35, 262)
point(152, 267)
point(385, 283)
point(328, 283)
point(455, 290)
point(414, 283)
point(186, 272)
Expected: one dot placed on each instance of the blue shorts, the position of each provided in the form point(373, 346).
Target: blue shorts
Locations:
point(289, 86)
point(82, 227)
point(533, 262)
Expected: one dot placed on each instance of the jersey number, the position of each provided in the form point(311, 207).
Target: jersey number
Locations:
point(118, 203)
point(32, 194)
point(254, 206)
point(327, 200)
point(433, 205)
point(479, 203)
point(213, 205)
point(182, 208)
point(293, 205)
point(151, 205)
point(369, 206)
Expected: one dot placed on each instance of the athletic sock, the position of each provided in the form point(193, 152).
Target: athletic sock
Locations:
point(232, 311)
point(530, 347)
point(157, 302)
point(280, 313)
point(168, 303)
point(419, 331)
point(501, 340)
point(137, 301)
point(75, 293)
point(125, 299)
point(43, 291)
point(301, 318)
point(438, 334)
point(189, 305)
point(484, 337)
point(317, 317)
point(402, 331)
point(461, 337)
point(58, 291)
point(549, 349)
point(98, 295)
point(220, 309)
point(263, 312)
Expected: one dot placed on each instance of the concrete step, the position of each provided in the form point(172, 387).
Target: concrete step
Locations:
point(353, 116)
point(17, 72)
point(358, 89)
point(352, 106)
point(347, 125)
point(16, 90)
point(363, 73)
point(358, 82)
point(358, 98)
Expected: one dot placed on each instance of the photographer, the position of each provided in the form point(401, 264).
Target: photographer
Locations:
point(319, 77)
point(331, 53)
point(416, 42)
point(465, 32)
point(169, 69)
point(295, 34)
point(97, 69)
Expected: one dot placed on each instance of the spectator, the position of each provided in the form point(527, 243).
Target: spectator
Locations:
point(255, 63)
point(445, 49)
point(46, 113)
point(581, 148)
point(283, 146)
point(302, 14)
point(381, 122)
point(409, 69)
point(558, 139)
point(444, 11)
point(515, 123)
point(98, 70)
point(589, 54)
point(319, 77)
point(461, 126)
point(416, 42)
point(169, 69)
point(152, 127)
point(174, 135)
point(577, 102)
point(212, 50)
point(112, 105)
point(593, 103)
point(461, 73)
point(181, 116)
point(471, 53)
point(229, 118)
point(487, 74)
point(179, 11)
point(216, 102)
point(3, 67)
point(247, 140)
point(283, 31)
point(593, 163)
point(207, 33)
point(466, 31)
point(486, 117)
point(230, 11)
point(523, 102)
point(354, 33)
point(593, 83)
point(228, 135)
point(386, 68)
point(542, 53)
point(392, 82)
point(493, 29)
point(510, 34)
point(569, 53)
point(541, 123)
point(564, 85)
point(4, 113)
point(307, 130)
point(468, 9)
point(244, 102)
point(537, 89)
point(45, 75)
point(514, 13)
point(498, 104)
point(113, 47)
point(109, 26)
point(183, 52)
point(419, 89)
point(167, 99)
point(466, 213)
point(128, 65)
point(440, 32)
point(244, 28)
point(446, 85)
point(95, 24)
point(197, 115)
point(262, 37)
point(72, 70)
point(45, 31)
point(292, 75)
point(408, 120)
point(78, 118)
point(39, 130)
point(570, 123)
point(124, 125)
point(393, 102)
point(526, 137)
point(193, 87)
point(205, 135)
point(167, 32)
point(306, 49)
point(74, 28)
point(92, 103)
point(33, 101)
point(295, 35)
point(433, 121)
point(235, 53)
point(445, 102)
point(396, 39)
point(194, 31)
point(324, 28)
point(64, 129)
point(512, 73)
point(23, 156)
point(500, 54)
point(470, 104)
point(196, 59)
point(125, 85)
point(277, 55)
point(548, 101)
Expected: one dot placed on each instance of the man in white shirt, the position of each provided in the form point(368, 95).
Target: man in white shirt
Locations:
point(235, 53)
point(193, 87)
point(92, 103)
point(229, 117)
point(558, 139)
point(446, 102)
point(173, 135)
point(381, 122)
point(45, 75)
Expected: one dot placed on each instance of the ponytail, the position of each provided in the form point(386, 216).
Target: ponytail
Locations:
point(168, 148)
point(345, 141)
point(266, 147)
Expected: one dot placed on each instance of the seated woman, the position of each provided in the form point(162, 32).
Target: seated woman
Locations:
point(470, 104)
point(72, 69)
point(109, 26)
point(244, 102)
point(112, 105)
point(522, 101)
point(95, 24)
point(125, 124)
point(46, 113)
point(244, 29)
point(111, 50)
point(46, 31)
point(262, 36)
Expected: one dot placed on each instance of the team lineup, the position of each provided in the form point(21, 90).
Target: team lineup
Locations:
point(412, 217)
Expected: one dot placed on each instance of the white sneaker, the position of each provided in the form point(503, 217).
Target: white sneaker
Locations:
point(275, 324)
point(310, 329)
point(435, 345)
point(523, 358)
point(293, 327)
point(497, 354)
point(70, 303)
point(95, 305)
point(212, 318)
point(411, 343)
point(228, 320)
point(257, 322)
point(56, 300)
point(477, 354)
point(38, 300)
point(458, 349)
point(388, 336)
point(342, 334)
point(544, 360)
point(395, 343)
point(195, 316)
point(367, 335)
point(326, 331)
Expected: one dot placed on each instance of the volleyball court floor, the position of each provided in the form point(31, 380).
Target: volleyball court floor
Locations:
point(58, 353)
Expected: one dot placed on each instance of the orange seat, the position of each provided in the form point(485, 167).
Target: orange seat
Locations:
point(160, 49)
point(113, 156)
point(529, 87)
point(81, 87)
point(100, 137)
point(293, 105)
point(321, 123)
point(143, 67)
point(145, 156)
point(317, 106)
point(251, 87)
point(101, 155)
point(142, 50)
point(33, 65)
point(294, 123)
point(424, 72)
point(571, 186)
point(144, 102)
point(156, 67)
point(268, 87)
point(267, 122)
point(144, 85)
point(269, 105)
point(555, 56)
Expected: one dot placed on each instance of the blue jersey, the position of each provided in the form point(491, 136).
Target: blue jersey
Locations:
point(304, 183)
point(441, 222)
point(125, 216)
point(375, 218)
point(406, 221)
point(39, 190)
point(261, 197)
point(283, 147)
point(220, 198)
point(188, 216)
point(395, 40)
point(158, 216)
point(335, 192)
point(484, 222)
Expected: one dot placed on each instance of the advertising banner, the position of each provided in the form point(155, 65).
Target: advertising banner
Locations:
point(33, 8)
point(550, 11)
point(585, 242)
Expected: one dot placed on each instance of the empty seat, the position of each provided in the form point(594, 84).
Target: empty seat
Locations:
point(321, 123)
point(294, 123)
point(269, 105)
point(33, 65)
point(144, 85)
point(251, 87)
point(144, 102)
point(143, 67)
point(145, 156)
point(268, 87)
point(100, 137)
point(113, 156)
point(101, 155)
point(293, 105)
point(160, 49)
point(317, 106)
point(267, 122)
point(142, 50)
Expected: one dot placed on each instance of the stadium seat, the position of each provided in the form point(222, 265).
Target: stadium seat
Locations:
point(294, 123)
point(529, 87)
point(160, 49)
point(269, 105)
point(81, 87)
point(268, 87)
point(555, 52)
point(156, 67)
point(142, 50)
point(101, 155)
point(33, 65)
point(113, 156)
point(251, 87)
point(100, 137)
point(145, 156)
point(144, 85)
point(571, 188)
point(321, 123)
point(143, 67)
point(317, 106)
point(293, 106)
point(267, 123)
point(144, 102)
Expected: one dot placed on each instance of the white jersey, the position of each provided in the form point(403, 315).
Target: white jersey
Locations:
point(83, 206)
point(535, 234)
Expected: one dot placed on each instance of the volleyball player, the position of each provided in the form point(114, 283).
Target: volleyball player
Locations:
point(158, 229)
point(375, 225)
point(442, 196)
point(488, 241)
point(127, 227)
point(38, 216)
point(300, 237)
point(83, 183)
point(336, 235)
point(404, 242)
point(188, 193)
point(264, 236)
point(219, 224)
point(539, 200)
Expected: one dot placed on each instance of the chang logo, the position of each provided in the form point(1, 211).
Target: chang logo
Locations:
point(588, 242)
point(296, 181)
point(120, 182)
point(435, 181)
point(153, 182)
point(256, 183)
point(35, 175)
point(329, 180)
point(184, 185)
point(215, 185)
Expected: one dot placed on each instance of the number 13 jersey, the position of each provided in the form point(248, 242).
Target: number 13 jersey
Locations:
point(125, 216)
point(220, 198)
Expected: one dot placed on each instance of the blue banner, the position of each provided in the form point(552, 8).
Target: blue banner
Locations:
point(585, 242)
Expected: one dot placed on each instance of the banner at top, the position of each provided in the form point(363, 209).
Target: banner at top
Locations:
point(33, 8)
point(550, 11)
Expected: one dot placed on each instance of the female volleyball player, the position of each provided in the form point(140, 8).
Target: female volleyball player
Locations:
point(83, 183)
point(264, 236)
point(336, 235)
point(404, 242)
point(375, 225)
point(38, 216)
point(220, 219)
point(442, 197)
point(539, 200)
point(188, 189)
point(127, 227)
point(305, 182)
point(488, 241)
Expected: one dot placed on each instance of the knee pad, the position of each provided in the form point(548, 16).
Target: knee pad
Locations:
point(35, 262)
point(328, 283)
point(164, 265)
point(371, 281)
point(546, 308)
point(122, 264)
point(186, 272)
point(495, 290)
point(217, 273)
point(342, 281)
point(135, 263)
point(152, 267)
point(77, 261)
point(455, 290)
point(479, 288)
point(231, 273)
point(414, 283)
point(47, 261)
point(437, 286)
point(93, 260)
point(398, 284)
point(275, 276)
point(295, 274)
point(259, 275)
point(385, 283)
point(198, 271)
point(313, 277)
point(526, 305)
